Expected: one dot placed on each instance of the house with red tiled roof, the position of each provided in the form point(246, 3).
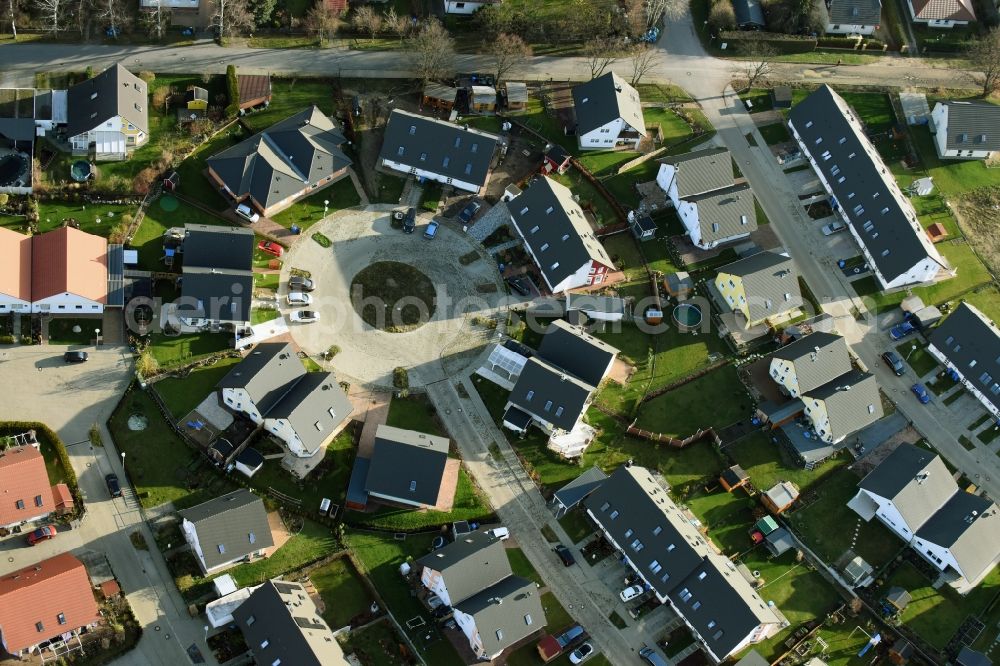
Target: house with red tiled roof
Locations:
point(45, 601)
point(15, 271)
point(69, 272)
point(942, 13)
point(25, 491)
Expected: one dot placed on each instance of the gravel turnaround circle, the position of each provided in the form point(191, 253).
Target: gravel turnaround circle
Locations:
point(444, 346)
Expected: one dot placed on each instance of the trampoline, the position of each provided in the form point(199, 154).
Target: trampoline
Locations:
point(687, 316)
point(81, 171)
point(13, 169)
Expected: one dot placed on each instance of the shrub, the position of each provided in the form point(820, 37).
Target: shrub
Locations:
point(401, 378)
point(722, 17)
point(147, 76)
point(332, 351)
point(146, 365)
point(839, 42)
point(233, 88)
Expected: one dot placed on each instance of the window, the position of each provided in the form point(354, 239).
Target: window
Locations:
point(445, 161)
point(655, 566)
point(629, 532)
point(222, 548)
point(38, 500)
point(458, 141)
point(39, 627)
point(264, 643)
point(531, 394)
point(61, 618)
point(696, 605)
point(400, 150)
point(499, 635)
point(559, 411)
point(548, 405)
point(423, 157)
point(251, 620)
point(685, 594)
point(702, 575)
point(871, 409)
point(413, 486)
point(535, 228)
point(544, 247)
point(711, 624)
point(19, 504)
point(413, 129)
point(527, 619)
point(614, 514)
point(657, 530)
point(637, 545)
point(555, 265)
point(252, 537)
point(276, 662)
point(468, 168)
point(670, 547)
point(605, 506)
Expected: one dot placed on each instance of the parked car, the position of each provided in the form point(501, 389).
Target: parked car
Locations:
point(299, 283)
point(299, 298)
point(410, 221)
point(564, 555)
point(270, 247)
point(651, 657)
point(75, 356)
point(42, 534)
point(920, 391)
point(894, 362)
point(578, 655)
point(833, 227)
point(113, 486)
point(469, 212)
point(630, 593)
point(247, 213)
point(518, 285)
point(434, 601)
point(431, 230)
point(304, 316)
point(903, 329)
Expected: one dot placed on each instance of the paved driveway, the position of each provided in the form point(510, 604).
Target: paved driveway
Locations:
point(439, 348)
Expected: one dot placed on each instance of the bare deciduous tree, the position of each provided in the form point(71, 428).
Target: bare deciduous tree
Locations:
point(722, 17)
point(758, 62)
point(51, 12)
point(669, 10)
point(114, 15)
point(321, 21)
point(506, 52)
point(366, 19)
point(396, 24)
point(985, 55)
point(155, 19)
point(13, 6)
point(642, 57)
point(232, 17)
point(434, 50)
point(601, 53)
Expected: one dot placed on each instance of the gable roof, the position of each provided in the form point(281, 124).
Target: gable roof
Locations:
point(283, 160)
point(447, 149)
point(113, 92)
point(267, 373)
point(886, 224)
point(748, 12)
point(286, 627)
point(817, 358)
point(969, 657)
point(217, 270)
point(576, 352)
point(23, 478)
point(604, 99)
point(852, 402)
point(576, 490)
point(543, 384)
point(782, 493)
point(726, 212)
point(855, 12)
point(252, 87)
point(555, 230)
point(971, 126)
point(969, 527)
point(15, 269)
point(505, 613)
point(69, 260)
point(315, 406)
point(230, 527)
point(469, 564)
point(944, 10)
point(701, 171)
point(407, 464)
point(767, 278)
point(217, 246)
point(971, 342)
point(915, 480)
point(38, 594)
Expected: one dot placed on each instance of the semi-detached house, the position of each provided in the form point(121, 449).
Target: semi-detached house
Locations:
point(966, 130)
point(226, 530)
point(608, 114)
point(968, 344)
point(864, 192)
point(107, 115)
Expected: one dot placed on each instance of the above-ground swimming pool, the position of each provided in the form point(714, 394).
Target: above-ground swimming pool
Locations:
point(80, 170)
point(687, 315)
point(13, 169)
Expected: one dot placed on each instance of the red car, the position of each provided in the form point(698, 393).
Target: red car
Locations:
point(270, 247)
point(42, 534)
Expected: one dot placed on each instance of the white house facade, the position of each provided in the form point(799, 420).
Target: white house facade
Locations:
point(889, 515)
point(966, 130)
point(434, 581)
point(239, 400)
point(610, 135)
point(847, 29)
point(114, 138)
point(67, 303)
point(465, 7)
point(426, 174)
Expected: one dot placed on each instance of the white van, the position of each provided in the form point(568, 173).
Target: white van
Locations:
point(247, 213)
point(501, 533)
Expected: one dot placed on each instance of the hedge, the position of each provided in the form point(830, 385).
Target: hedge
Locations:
point(44, 432)
point(781, 43)
point(233, 88)
point(839, 42)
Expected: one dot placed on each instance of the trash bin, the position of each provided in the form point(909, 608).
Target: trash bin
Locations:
point(295, 229)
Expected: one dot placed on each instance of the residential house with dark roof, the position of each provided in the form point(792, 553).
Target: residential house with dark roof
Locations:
point(437, 150)
point(634, 511)
point(217, 284)
point(107, 115)
point(967, 342)
point(558, 236)
point(25, 114)
point(810, 362)
point(577, 352)
point(863, 191)
point(759, 288)
point(283, 627)
point(966, 130)
point(749, 15)
point(27, 493)
point(913, 494)
point(608, 114)
point(494, 608)
point(226, 530)
point(942, 13)
point(407, 467)
point(713, 208)
point(853, 17)
point(270, 171)
point(305, 410)
point(46, 601)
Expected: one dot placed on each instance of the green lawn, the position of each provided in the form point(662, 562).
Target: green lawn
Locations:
point(261, 315)
point(673, 128)
point(164, 213)
point(176, 350)
point(774, 134)
point(377, 644)
point(622, 186)
point(605, 162)
point(520, 565)
point(95, 219)
point(469, 505)
point(763, 461)
point(987, 300)
point(577, 526)
point(827, 525)
point(343, 591)
point(624, 252)
point(308, 211)
point(590, 197)
point(760, 97)
point(727, 516)
point(380, 556)
point(415, 412)
point(61, 330)
point(717, 399)
point(183, 395)
point(289, 96)
point(194, 183)
point(920, 360)
point(311, 543)
point(328, 480)
point(951, 177)
point(874, 109)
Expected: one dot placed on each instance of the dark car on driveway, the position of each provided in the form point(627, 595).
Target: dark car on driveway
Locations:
point(299, 283)
point(920, 391)
point(113, 486)
point(564, 555)
point(901, 330)
point(894, 362)
point(410, 221)
point(469, 212)
point(75, 356)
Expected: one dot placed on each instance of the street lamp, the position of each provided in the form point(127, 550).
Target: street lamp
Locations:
point(97, 336)
point(326, 206)
point(913, 348)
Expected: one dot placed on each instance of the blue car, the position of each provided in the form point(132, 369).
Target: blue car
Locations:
point(431, 231)
point(921, 392)
point(900, 331)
